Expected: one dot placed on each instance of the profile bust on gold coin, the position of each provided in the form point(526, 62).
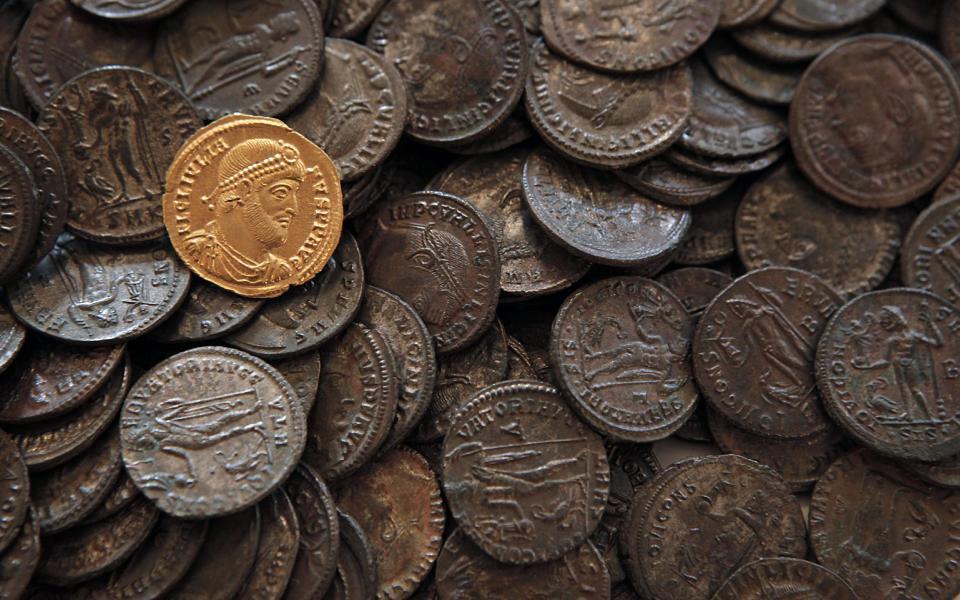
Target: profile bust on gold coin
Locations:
point(252, 206)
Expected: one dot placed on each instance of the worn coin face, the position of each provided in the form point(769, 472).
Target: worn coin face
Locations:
point(665, 182)
point(352, 17)
point(276, 551)
point(208, 312)
point(19, 561)
point(943, 473)
point(357, 109)
point(438, 253)
point(724, 167)
point(931, 252)
point(786, 45)
point(710, 238)
point(123, 493)
point(823, 15)
point(606, 120)
point(866, 507)
point(356, 577)
point(771, 576)
point(130, 10)
point(13, 335)
point(84, 294)
point(14, 491)
point(211, 431)
point(887, 365)
point(850, 142)
point(253, 206)
point(738, 13)
point(695, 287)
point(18, 195)
point(628, 36)
point(303, 373)
point(518, 439)
point(784, 221)
point(595, 215)
point(316, 560)
point(464, 64)
point(514, 130)
point(756, 79)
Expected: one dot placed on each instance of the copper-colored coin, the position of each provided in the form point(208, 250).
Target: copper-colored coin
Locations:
point(754, 78)
point(397, 503)
point(84, 552)
point(595, 215)
point(21, 213)
point(356, 111)
point(13, 335)
point(711, 237)
point(758, 580)
point(253, 206)
point(123, 493)
point(311, 314)
point(438, 253)
point(519, 363)
point(943, 473)
point(316, 561)
point(724, 167)
point(603, 120)
point(130, 10)
point(621, 351)
point(628, 36)
point(754, 348)
point(823, 15)
point(84, 294)
point(276, 551)
point(530, 264)
point(738, 13)
point(786, 45)
point(887, 365)
point(865, 507)
point(464, 64)
point(663, 181)
point(850, 142)
point(412, 348)
point(53, 379)
point(244, 432)
point(356, 403)
point(515, 130)
point(14, 491)
point(785, 221)
point(208, 312)
point(227, 555)
point(931, 251)
point(356, 577)
point(303, 373)
point(19, 561)
point(949, 35)
point(950, 186)
point(465, 572)
point(352, 17)
point(695, 287)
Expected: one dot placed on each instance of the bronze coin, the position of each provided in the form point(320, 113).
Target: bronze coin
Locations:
point(65, 495)
point(438, 253)
point(352, 17)
point(85, 294)
point(303, 373)
point(931, 251)
point(465, 572)
point(881, 529)
point(823, 15)
point(665, 182)
point(943, 473)
point(949, 34)
point(13, 335)
point(621, 351)
point(359, 195)
point(246, 431)
point(356, 577)
point(14, 493)
point(82, 553)
point(723, 167)
point(397, 503)
point(711, 237)
point(19, 561)
point(706, 518)
point(123, 493)
point(21, 213)
point(60, 41)
point(786, 45)
point(754, 349)
point(412, 347)
point(772, 576)
point(357, 109)
point(628, 36)
point(519, 363)
point(316, 561)
point(918, 14)
point(356, 403)
point(695, 287)
point(609, 121)
point(258, 58)
point(950, 186)
point(724, 124)
point(530, 264)
point(53, 379)
point(43, 162)
point(209, 312)
point(12, 94)
point(276, 551)
point(887, 365)
point(845, 137)
point(597, 216)
point(464, 64)
point(784, 221)
point(754, 78)
point(127, 10)
point(308, 315)
point(739, 13)
point(515, 130)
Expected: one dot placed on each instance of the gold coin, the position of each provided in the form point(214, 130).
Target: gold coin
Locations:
point(253, 206)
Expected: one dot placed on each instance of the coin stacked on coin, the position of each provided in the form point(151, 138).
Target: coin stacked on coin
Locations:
point(480, 299)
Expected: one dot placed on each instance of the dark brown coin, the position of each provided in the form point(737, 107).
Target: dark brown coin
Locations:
point(356, 403)
point(931, 251)
point(438, 253)
point(123, 493)
point(397, 503)
point(823, 15)
point(887, 368)
point(530, 264)
point(352, 17)
point(19, 561)
point(608, 121)
point(515, 130)
point(43, 162)
point(21, 213)
point(785, 221)
point(918, 14)
point(209, 312)
point(412, 347)
point(786, 45)
point(357, 109)
point(950, 31)
point(356, 577)
point(621, 351)
point(53, 379)
point(876, 150)
point(246, 431)
point(754, 78)
point(465, 572)
point(258, 58)
point(464, 64)
point(738, 13)
point(663, 181)
point(695, 287)
point(303, 373)
point(754, 349)
point(12, 94)
point(15, 491)
point(950, 186)
point(84, 552)
point(705, 519)
point(316, 560)
point(711, 237)
point(129, 10)
point(723, 167)
point(60, 41)
point(628, 36)
point(359, 195)
point(276, 551)
point(597, 216)
point(943, 473)
point(308, 315)
point(881, 529)
point(519, 363)
point(13, 335)
point(776, 576)
point(84, 294)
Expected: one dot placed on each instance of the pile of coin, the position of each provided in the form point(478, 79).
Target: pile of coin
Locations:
point(480, 299)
